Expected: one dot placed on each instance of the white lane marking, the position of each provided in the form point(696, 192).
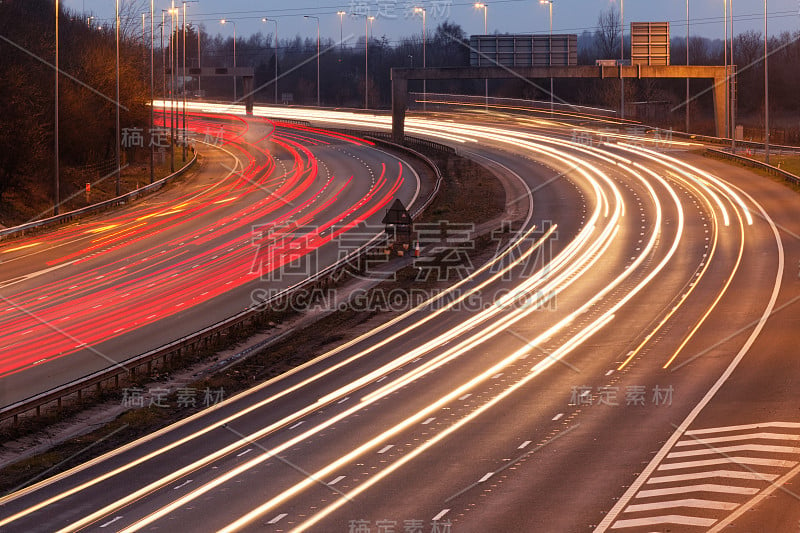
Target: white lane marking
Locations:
point(740, 448)
point(381, 379)
point(690, 502)
point(344, 399)
point(337, 480)
point(706, 487)
point(558, 416)
point(112, 521)
point(428, 421)
point(296, 425)
point(248, 450)
point(441, 514)
point(793, 425)
point(610, 372)
point(386, 448)
point(667, 519)
point(183, 484)
point(523, 445)
point(277, 518)
point(467, 395)
point(485, 477)
point(727, 461)
point(716, 473)
point(497, 375)
point(743, 436)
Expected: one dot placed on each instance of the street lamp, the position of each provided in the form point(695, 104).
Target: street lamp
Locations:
point(317, 19)
point(152, 91)
point(116, 101)
point(687, 64)
point(766, 88)
point(56, 192)
point(225, 21)
point(341, 33)
point(485, 7)
point(727, 77)
point(424, 81)
point(550, 50)
point(265, 19)
point(622, 58)
point(173, 58)
point(732, 84)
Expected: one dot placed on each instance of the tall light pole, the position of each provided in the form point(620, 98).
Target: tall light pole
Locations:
point(265, 19)
point(622, 58)
point(424, 65)
point(727, 77)
point(687, 64)
point(119, 164)
point(732, 85)
point(367, 21)
point(550, 50)
point(341, 32)
point(172, 61)
point(485, 7)
point(152, 91)
point(766, 88)
point(225, 21)
point(56, 185)
point(317, 19)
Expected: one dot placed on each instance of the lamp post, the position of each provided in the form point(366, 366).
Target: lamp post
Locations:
point(622, 58)
point(265, 19)
point(485, 7)
point(172, 62)
point(317, 19)
point(687, 64)
point(424, 81)
point(341, 32)
point(116, 101)
point(732, 85)
point(727, 78)
point(549, 3)
point(56, 185)
point(766, 88)
point(225, 21)
point(152, 90)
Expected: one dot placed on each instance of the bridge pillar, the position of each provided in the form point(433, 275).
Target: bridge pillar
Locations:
point(247, 85)
point(399, 104)
point(719, 105)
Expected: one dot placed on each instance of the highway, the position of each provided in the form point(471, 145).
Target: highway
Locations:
point(623, 362)
point(109, 287)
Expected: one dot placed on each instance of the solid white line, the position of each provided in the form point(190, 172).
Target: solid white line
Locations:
point(739, 448)
point(429, 420)
point(667, 519)
point(792, 425)
point(277, 519)
point(727, 461)
point(691, 502)
point(337, 480)
point(737, 474)
point(707, 487)
point(743, 436)
point(386, 448)
point(485, 477)
point(523, 445)
point(441, 514)
point(558, 416)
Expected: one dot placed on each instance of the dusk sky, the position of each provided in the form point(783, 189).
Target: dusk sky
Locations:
point(394, 18)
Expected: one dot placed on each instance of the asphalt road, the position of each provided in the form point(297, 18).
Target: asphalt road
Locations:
point(266, 208)
point(624, 362)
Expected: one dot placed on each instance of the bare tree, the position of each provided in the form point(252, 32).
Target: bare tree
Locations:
point(608, 32)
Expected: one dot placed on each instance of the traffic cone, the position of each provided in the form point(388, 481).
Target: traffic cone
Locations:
point(416, 249)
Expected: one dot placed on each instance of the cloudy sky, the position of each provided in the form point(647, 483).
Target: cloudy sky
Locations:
point(394, 18)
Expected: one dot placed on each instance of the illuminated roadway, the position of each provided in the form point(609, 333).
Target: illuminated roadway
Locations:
point(79, 298)
point(645, 294)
